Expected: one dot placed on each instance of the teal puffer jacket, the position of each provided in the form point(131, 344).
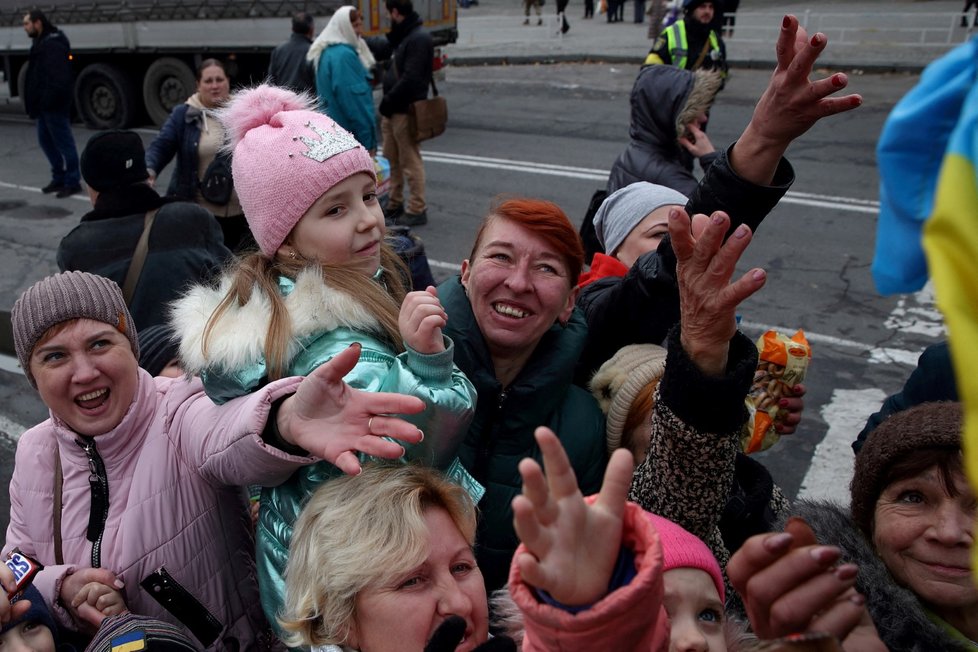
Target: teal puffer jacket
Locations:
point(324, 322)
point(501, 433)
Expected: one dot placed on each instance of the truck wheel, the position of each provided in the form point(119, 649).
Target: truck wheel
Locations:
point(21, 81)
point(104, 97)
point(168, 82)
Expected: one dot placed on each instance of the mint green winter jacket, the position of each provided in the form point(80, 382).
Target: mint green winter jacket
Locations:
point(324, 323)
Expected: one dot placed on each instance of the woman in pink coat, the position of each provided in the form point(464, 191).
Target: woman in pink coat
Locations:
point(129, 494)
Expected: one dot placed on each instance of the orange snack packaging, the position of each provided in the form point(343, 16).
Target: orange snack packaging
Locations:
point(782, 364)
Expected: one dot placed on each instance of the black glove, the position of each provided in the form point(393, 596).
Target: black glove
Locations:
point(451, 632)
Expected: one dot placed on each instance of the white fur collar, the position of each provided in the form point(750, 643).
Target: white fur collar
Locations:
point(238, 338)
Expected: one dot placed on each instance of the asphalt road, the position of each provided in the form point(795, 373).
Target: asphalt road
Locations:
point(553, 132)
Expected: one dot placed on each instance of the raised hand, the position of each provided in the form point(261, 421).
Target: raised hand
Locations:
point(789, 590)
point(77, 588)
point(708, 299)
point(572, 544)
point(790, 104)
point(333, 421)
point(421, 319)
point(700, 144)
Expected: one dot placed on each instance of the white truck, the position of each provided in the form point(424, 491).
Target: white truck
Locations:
point(134, 59)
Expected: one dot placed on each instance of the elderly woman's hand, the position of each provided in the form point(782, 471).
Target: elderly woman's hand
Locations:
point(790, 105)
point(708, 300)
point(792, 406)
point(788, 590)
point(333, 421)
point(572, 545)
point(9, 612)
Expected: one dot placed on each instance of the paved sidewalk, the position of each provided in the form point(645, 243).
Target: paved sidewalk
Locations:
point(871, 35)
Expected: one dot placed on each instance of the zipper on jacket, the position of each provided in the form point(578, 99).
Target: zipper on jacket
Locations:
point(487, 443)
point(98, 482)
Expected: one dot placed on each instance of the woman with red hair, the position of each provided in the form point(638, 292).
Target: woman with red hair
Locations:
point(518, 338)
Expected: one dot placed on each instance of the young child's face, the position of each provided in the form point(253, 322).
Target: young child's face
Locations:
point(695, 611)
point(345, 226)
point(30, 635)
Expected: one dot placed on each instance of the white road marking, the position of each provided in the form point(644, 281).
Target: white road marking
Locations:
point(14, 186)
point(830, 470)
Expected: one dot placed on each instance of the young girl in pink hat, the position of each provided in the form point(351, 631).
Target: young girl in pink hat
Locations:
point(322, 280)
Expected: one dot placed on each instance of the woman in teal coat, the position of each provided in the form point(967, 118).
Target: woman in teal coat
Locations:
point(343, 63)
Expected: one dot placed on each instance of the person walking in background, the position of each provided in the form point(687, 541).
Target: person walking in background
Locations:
point(406, 80)
point(47, 99)
point(691, 43)
point(728, 16)
point(288, 66)
point(343, 76)
point(535, 5)
point(968, 6)
point(562, 16)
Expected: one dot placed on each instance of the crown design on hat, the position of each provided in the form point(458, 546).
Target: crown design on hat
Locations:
point(329, 145)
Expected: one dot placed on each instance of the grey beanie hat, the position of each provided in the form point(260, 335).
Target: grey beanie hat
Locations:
point(63, 297)
point(626, 207)
point(619, 380)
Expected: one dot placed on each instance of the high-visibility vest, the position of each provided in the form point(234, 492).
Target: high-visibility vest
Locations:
point(679, 47)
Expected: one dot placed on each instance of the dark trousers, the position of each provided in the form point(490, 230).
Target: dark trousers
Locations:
point(58, 144)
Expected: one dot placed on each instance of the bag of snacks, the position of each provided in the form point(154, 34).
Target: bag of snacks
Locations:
point(782, 364)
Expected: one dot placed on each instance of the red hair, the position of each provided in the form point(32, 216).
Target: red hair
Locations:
point(546, 220)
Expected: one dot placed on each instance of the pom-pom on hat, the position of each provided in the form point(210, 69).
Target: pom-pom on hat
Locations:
point(623, 209)
point(285, 156)
point(682, 549)
point(63, 297)
point(902, 434)
point(619, 380)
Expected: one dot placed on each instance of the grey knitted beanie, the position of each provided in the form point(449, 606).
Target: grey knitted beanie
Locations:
point(619, 380)
point(63, 297)
point(623, 209)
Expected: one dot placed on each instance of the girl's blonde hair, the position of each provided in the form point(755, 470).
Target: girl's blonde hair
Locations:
point(382, 297)
point(356, 532)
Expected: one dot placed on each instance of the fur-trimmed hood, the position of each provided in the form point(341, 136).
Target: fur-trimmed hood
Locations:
point(902, 623)
point(238, 338)
point(665, 99)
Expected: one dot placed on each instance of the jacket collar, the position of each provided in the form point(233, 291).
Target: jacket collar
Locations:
point(122, 202)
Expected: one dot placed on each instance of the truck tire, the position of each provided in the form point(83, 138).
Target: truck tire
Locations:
point(104, 97)
point(21, 81)
point(168, 83)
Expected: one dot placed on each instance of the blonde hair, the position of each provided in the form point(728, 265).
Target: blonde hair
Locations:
point(356, 532)
point(381, 297)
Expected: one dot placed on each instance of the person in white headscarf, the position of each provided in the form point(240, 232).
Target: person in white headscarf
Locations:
point(343, 64)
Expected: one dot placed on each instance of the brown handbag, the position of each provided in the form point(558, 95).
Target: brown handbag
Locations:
point(429, 116)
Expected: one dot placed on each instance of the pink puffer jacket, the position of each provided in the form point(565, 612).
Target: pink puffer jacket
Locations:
point(175, 468)
point(630, 618)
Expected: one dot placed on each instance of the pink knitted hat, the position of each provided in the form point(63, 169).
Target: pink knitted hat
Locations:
point(680, 549)
point(285, 156)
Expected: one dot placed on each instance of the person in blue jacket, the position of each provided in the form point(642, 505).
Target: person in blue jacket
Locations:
point(343, 62)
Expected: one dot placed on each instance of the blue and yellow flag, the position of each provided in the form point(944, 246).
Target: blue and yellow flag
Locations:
point(951, 244)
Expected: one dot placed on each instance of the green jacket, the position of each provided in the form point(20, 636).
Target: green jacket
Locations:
point(501, 433)
point(325, 322)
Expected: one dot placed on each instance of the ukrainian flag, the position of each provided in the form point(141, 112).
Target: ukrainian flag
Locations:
point(129, 642)
point(951, 245)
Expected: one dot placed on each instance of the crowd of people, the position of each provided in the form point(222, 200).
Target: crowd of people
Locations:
point(518, 458)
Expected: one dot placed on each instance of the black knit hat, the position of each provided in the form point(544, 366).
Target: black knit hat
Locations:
point(38, 613)
point(157, 348)
point(902, 434)
point(113, 159)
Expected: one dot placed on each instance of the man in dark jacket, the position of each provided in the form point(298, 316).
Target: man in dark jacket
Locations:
point(406, 80)
point(691, 43)
point(47, 99)
point(288, 66)
point(185, 243)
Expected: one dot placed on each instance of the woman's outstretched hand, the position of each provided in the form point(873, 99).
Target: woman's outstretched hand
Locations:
point(708, 300)
point(333, 421)
point(573, 544)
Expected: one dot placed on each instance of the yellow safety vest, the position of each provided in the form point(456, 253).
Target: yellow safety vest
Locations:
point(680, 52)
